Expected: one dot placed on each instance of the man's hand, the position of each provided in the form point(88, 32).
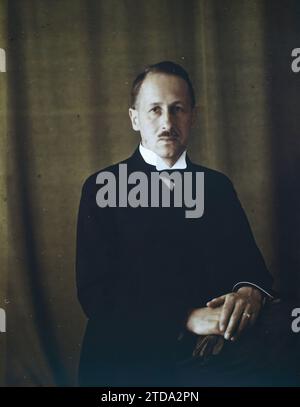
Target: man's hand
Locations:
point(208, 345)
point(238, 311)
point(226, 316)
point(205, 321)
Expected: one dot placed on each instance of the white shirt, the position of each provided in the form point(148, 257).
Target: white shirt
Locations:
point(152, 158)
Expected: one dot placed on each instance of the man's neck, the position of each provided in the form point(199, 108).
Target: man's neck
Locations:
point(161, 162)
point(171, 161)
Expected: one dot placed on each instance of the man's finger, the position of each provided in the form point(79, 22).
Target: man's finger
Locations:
point(216, 302)
point(204, 346)
point(226, 312)
point(234, 320)
point(201, 343)
point(218, 346)
point(244, 322)
point(210, 346)
point(253, 318)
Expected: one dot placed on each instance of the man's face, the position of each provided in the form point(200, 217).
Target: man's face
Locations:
point(163, 115)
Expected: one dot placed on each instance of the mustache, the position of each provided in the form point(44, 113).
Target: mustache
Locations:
point(171, 133)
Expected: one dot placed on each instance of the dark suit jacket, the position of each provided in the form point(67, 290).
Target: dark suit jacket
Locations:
point(141, 270)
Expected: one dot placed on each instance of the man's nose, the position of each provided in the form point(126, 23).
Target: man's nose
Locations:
point(166, 120)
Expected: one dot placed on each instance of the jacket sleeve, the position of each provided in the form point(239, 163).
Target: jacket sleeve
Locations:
point(267, 294)
point(101, 287)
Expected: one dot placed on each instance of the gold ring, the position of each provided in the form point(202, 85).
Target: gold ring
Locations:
point(247, 314)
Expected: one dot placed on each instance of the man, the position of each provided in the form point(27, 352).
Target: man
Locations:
point(148, 276)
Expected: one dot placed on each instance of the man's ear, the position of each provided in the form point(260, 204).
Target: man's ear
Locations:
point(195, 113)
point(133, 114)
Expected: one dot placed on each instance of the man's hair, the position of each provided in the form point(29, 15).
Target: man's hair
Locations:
point(165, 67)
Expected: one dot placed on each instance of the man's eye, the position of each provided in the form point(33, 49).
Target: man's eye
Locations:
point(155, 109)
point(178, 109)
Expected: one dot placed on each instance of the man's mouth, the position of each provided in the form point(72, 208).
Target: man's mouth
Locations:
point(167, 137)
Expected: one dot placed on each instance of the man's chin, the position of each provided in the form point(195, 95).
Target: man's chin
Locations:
point(168, 153)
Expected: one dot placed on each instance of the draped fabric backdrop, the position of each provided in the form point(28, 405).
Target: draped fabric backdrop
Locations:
point(64, 114)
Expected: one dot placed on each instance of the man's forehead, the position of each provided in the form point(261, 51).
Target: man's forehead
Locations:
point(158, 88)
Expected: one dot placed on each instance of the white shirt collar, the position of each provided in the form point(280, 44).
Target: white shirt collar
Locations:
point(152, 158)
